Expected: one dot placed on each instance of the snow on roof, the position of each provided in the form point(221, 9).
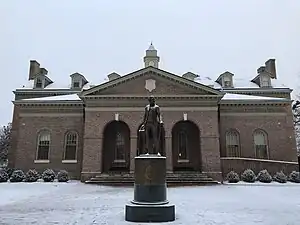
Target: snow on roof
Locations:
point(72, 97)
point(237, 82)
point(229, 96)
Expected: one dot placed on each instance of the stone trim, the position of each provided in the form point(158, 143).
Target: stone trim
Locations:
point(141, 109)
point(258, 160)
point(253, 114)
point(41, 161)
point(248, 102)
point(160, 97)
point(51, 114)
point(69, 161)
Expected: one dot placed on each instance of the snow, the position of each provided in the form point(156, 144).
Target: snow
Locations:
point(229, 96)
point(72, 97)
point(238, 82)
point(78, 203)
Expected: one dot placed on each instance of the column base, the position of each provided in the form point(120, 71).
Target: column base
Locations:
point(149, 213)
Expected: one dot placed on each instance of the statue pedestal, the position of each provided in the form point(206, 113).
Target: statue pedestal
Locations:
point(150, 202)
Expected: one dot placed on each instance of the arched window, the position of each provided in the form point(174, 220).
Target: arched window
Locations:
point(120, 147)
point(261, 144)
point(43, 147)
point(71, 140)
point(233, 144)
point(182, 142)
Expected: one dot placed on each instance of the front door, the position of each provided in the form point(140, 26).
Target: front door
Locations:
point(116, 147)
point(186, 147)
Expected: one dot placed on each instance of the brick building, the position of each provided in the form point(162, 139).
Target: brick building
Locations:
point(211, 125)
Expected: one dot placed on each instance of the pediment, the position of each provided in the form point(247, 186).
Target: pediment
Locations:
point(153, 81)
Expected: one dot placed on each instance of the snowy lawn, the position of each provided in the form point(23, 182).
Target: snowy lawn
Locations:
point(77, 203)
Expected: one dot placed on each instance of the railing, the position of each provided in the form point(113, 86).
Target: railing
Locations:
point(240, 164)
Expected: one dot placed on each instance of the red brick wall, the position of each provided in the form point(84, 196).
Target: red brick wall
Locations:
point(207, 121)
point(240, 164)
point(280, 130)
point(27, 142)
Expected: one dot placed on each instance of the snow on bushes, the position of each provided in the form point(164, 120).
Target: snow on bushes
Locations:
point(3, 176)
point(264, 177)
point(232, 177)
point(62, 176)
point(280, 177)
point(32, 176)
point(17, 176)
point(248, 176)
point(294, 177)
point(48, 175)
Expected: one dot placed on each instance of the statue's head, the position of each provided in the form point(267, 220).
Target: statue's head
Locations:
point(151, 100)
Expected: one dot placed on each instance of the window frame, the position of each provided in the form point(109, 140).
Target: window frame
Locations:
point(266, 139)
point(64, 160)
point(237, 133)
point(37, 159)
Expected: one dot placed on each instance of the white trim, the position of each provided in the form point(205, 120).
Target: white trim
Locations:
point(69, 161)
point(252, 113)
point(261, 160)
point(41, 161)
point(119, 161)
point(142, 109)
point(51, 114)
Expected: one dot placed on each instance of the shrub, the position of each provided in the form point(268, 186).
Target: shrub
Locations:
point(48, 175)
point(294, 177)
point(232, 177)
point(3, 176)
point(280, 177)
point(248, 176)
point(62, 176)
point(264, 177)
point(32, 176)
point(17, 176)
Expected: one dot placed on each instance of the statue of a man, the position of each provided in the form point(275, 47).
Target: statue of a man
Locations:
point(151, 125)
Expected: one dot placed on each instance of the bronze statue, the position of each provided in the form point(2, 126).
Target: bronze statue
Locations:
point(151, 132)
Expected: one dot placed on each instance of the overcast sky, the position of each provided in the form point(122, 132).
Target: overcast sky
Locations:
point(96, 38)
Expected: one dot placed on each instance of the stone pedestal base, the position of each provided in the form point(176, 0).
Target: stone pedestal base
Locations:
point(150, 213)
point(150, 202)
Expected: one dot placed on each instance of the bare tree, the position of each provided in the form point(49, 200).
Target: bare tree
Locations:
point(296, 113)
point(5, 137)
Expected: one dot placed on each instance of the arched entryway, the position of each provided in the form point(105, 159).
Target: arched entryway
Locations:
point(116, 147)
point(186, 146)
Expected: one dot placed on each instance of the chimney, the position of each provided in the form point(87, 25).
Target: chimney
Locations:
point(34, 69)
point(190, 76)
point(113, 76)
point(271, 68)
point(43, 71)
point(261, 69)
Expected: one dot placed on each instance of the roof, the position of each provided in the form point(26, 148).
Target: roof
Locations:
point(229, 96)
point(72, 97)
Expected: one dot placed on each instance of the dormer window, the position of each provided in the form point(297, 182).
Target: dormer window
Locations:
point(225, 80)
point(77, 81)
point(76, 84)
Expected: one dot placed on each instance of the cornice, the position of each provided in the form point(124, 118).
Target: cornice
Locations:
point(160, 97)
point(69, 103)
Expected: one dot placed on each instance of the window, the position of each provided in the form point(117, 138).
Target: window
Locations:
point(120, 147)
point(39, 83)
point(227, 81)
point(182, 142)
point(76, 84)
point(71, 146)
point(43, 146)
point(260, 144)
point(233, 144)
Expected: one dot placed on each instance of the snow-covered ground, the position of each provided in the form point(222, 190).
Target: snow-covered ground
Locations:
point(77, 203)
